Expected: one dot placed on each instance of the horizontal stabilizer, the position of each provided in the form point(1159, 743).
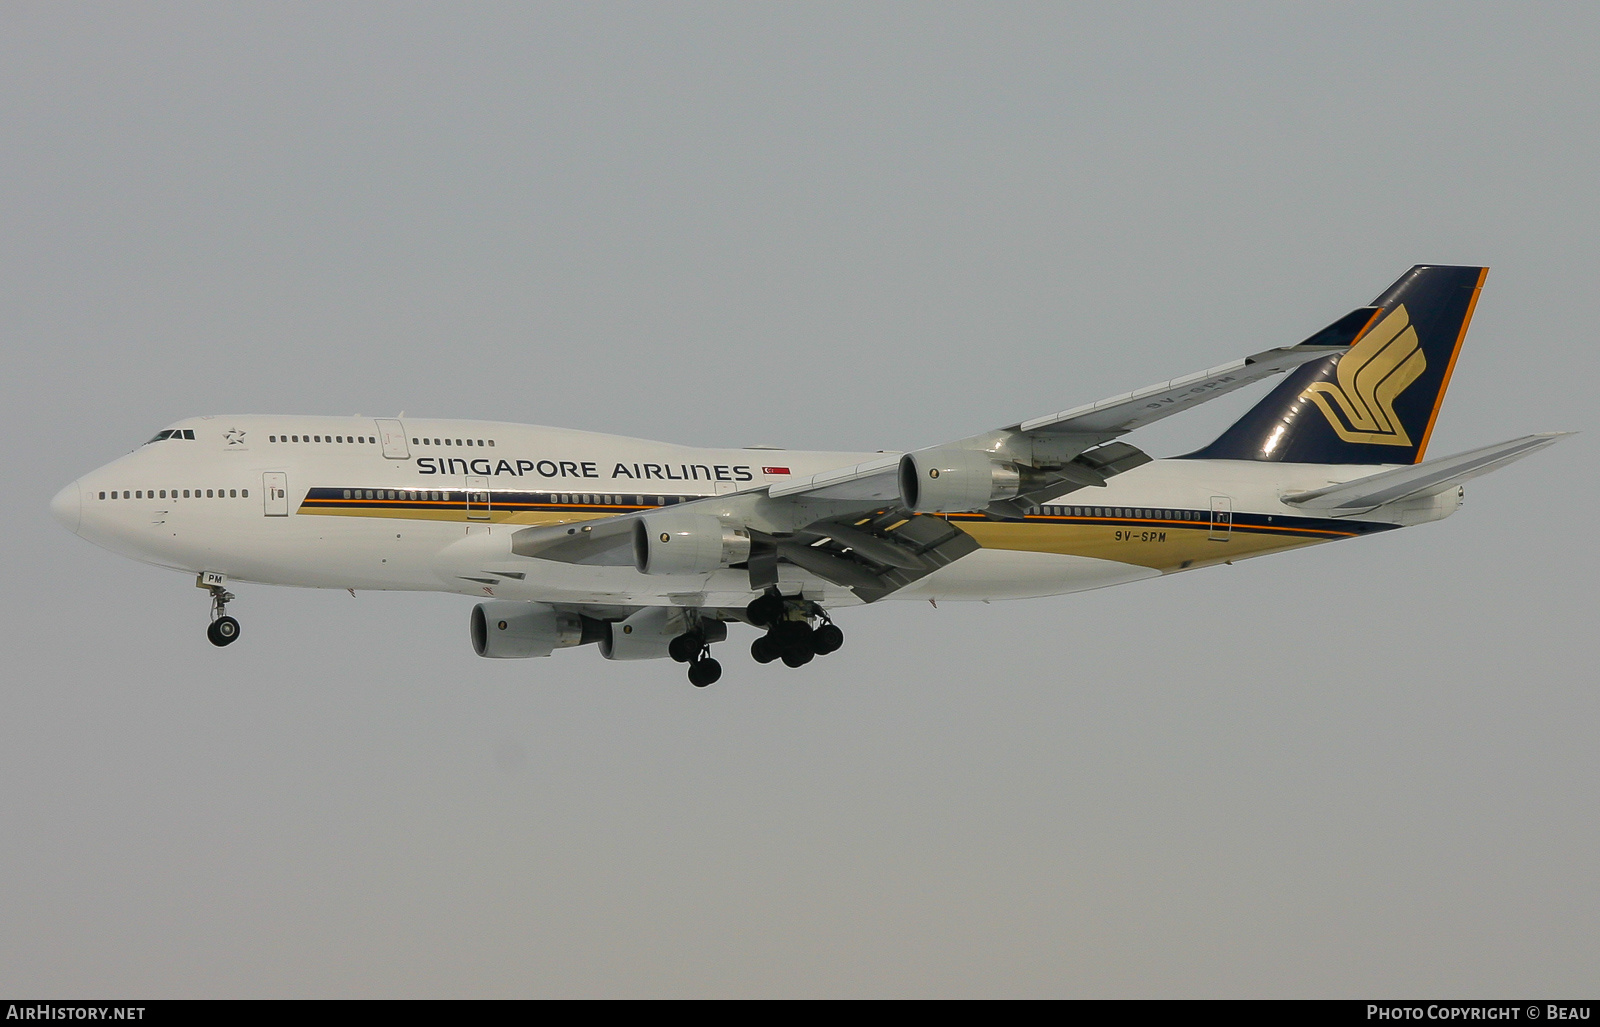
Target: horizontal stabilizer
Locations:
point(1430, 476)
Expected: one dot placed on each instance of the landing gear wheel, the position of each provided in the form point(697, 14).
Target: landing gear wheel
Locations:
point(764, 650)
point(686, 647)
point(764, 611)
point(827, 639)
point(793, 634)
point(223, 631)
point(797, 657)
point(704, 672)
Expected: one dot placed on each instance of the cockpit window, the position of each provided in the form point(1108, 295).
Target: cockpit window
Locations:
point(173, 433)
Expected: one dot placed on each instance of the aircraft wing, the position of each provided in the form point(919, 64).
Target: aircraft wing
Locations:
point(871, 549)
point(1136, 409)
point(1067, 434)
point(854, 525)
point(1426, 478)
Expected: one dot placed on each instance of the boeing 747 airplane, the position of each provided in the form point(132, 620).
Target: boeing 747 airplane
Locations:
point(650, 550)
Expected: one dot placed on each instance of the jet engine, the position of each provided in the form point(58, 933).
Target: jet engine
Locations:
point(648, 633)
point(946, 480)
point(686, 543)
point(511, 631)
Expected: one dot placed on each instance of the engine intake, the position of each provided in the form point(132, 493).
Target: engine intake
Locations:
point(947, 480)
point(686, 543)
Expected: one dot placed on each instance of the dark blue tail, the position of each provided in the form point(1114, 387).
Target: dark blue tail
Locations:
point(1376, 402)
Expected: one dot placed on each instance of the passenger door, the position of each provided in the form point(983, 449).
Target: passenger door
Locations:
point(1221, 519)
point(393, 436)
point(477, 498)
point(275, 493)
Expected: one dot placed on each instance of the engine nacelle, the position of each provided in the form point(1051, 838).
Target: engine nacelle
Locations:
point(647, 634)
point(948, 480)
point(514, 631)
point(686, 543)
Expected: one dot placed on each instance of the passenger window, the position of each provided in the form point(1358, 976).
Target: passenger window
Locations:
point(233, 493)
point(491, 442)
point(102, 495)
point(209, 494)
point(245, 493)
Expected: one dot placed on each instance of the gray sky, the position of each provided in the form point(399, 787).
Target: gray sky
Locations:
point(1365, 769)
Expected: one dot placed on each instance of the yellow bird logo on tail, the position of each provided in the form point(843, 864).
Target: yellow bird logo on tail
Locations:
point(1371, 376)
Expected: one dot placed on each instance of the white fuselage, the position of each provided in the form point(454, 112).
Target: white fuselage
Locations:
point(234, 500)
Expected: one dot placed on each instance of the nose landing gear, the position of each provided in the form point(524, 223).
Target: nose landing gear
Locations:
point(223, 630)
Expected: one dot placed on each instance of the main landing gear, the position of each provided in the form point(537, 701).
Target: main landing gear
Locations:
point(694, 648)
point(790, 635)
point(224, 630)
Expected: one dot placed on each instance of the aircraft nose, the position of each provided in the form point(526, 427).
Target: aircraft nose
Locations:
point(67, 507)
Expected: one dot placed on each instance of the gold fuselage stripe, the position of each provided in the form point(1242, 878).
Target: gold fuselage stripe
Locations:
point(1163, 544)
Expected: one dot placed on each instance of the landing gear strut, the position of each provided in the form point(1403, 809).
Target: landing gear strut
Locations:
point(790, 635)
point(224, 630)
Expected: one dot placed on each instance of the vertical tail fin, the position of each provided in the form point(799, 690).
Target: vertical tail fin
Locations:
point(1376, 402)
